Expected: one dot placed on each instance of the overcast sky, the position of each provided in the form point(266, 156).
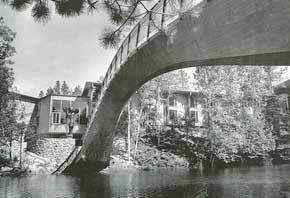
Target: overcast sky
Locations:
point(63, 49)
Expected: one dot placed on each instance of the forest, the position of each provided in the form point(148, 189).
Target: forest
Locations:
point(244, 120)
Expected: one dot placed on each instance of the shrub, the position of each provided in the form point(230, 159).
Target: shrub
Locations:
point(4, 157)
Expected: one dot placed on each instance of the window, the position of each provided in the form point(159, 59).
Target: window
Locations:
point(77, 117)
point(193, 102)
point(172, 114)
point(194, 116)
point(65, 105)
point(165, 113)
point(56, 105)
point(79, 107)
point(164, 95)
point(55, 117)
point(172, 101)
point(284, 107)
point(59, 114)
point(250, 110)
point(56, 111)
point(83, 117)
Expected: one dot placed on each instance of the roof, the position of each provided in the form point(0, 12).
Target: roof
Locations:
point(26, 98)
point(64, 96)
point(282, 87)
point(284, 84)
point(89, 85)
point(35, 100)
point(183, 91)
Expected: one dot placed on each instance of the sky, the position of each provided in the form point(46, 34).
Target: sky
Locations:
point(65, 49)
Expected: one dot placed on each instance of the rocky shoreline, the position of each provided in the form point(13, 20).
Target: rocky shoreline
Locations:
point(13, 172)
point(32, 164)
point(147, 158)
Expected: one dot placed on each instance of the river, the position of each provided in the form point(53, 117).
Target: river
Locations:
point(250, 182)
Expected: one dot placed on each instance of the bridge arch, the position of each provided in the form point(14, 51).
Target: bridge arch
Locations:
point(221, 32)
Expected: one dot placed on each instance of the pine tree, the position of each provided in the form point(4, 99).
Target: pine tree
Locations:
point(49, 91)
point(77, 91)
point(65, 90)
point(41, 94)
point(183, 80)
point(56, 88)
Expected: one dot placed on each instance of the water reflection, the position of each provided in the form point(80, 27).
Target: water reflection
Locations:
point(268, 182)
point(39, 186)
point(98, 185)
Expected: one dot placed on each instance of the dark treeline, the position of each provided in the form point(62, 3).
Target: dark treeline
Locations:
point(62, 89)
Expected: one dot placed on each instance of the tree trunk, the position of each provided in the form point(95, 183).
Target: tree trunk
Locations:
point(212, 161)
point(10, 153)
point(20, 152)
point(129, 135)
point(137, 140)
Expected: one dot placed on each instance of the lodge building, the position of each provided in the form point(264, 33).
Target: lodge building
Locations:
point(49, 119)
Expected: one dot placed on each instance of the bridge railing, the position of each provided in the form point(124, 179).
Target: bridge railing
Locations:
point(148, 26)
point(161, 14)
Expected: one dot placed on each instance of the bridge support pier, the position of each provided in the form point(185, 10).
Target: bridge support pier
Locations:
point(83, 167)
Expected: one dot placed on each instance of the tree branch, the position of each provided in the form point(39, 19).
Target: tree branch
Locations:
point(143, 5)
point(129, 16)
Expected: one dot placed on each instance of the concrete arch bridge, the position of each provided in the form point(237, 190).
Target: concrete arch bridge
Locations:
point(215, 32)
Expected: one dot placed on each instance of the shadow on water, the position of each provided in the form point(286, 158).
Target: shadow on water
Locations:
point(250, 182)
point(95, 185)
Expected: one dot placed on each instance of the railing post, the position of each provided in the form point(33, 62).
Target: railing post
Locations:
point(110, 72)
point(128, 47)
point(104, 81)
point(148, 30)
point(114, 64)
point(121, 53)
point(116, 58)
point(118, 54)
point(163, 12)
point(138, 31)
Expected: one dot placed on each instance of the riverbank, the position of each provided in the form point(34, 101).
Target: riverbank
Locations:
point(147, 157)
point(32, 164)
point(13, 172)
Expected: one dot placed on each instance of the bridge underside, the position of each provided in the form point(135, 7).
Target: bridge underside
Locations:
point(221, 32)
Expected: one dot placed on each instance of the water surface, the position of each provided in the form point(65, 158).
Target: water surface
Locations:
point(252, 182)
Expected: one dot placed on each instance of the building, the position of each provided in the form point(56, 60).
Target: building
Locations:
point(50, 117)
point(54, 116)
point(181, 105)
